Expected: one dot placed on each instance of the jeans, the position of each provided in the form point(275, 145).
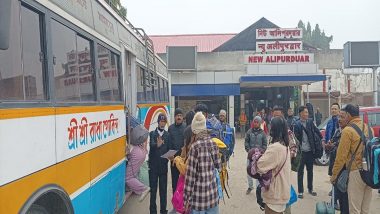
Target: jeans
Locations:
point(308, 160)
point(156, 180)
point(214, 210)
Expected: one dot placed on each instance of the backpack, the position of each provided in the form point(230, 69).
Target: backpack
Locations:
point(223, 173)
point(215, 127)
point(228, 139)
point(371, 154)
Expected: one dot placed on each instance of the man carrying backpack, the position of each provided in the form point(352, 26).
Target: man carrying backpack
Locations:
point(359, 194)
point(255, 138)
point(227, 132)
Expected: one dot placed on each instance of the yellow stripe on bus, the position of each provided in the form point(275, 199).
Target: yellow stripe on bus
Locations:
point(152, 104)
point(70, 174)
point(14, 113)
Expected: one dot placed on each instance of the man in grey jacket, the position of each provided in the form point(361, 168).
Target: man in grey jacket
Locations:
point(255, 138)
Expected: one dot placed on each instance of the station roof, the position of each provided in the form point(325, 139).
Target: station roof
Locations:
point(204, 42)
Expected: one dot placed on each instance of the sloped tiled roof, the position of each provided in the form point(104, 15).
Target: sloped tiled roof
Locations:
point(204, 42)
point(245, 40)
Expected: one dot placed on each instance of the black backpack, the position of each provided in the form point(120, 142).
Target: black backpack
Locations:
point(370, 171)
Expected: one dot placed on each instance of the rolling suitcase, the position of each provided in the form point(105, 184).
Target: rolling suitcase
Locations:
point(325, 207)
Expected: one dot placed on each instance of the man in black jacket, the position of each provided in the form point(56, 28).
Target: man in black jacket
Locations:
point(176, 131)
point(158, 167)
point(310, 138)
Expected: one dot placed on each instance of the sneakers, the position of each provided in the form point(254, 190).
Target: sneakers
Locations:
point(144, 194)
point(312, 193)
point(249, 190)
point(300, 195)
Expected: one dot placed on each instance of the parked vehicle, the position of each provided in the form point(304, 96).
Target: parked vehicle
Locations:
point(370, 115)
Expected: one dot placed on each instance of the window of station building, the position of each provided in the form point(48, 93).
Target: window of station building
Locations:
point(22, 65)
point(140, 86)
point(109, 78)
point(72, 61)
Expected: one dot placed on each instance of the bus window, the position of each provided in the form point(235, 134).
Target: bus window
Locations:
point(167, 91)
point(158, 89)
point(140, 88)
point(5, 18)
point(22, 64)
point(373, 119)
point(109, 70)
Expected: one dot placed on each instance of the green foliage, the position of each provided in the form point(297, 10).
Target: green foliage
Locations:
point(120, 9)
point(315, 37)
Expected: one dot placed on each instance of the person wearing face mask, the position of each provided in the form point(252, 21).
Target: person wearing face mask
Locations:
point(158, 167)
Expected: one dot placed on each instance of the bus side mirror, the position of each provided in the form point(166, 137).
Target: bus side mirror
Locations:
point(5, 20)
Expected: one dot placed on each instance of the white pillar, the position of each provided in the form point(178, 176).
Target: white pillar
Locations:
point(307, 94)
point(231, 110)
point(375, 92)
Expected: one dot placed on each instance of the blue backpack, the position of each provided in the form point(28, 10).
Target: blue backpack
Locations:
point(228, 139)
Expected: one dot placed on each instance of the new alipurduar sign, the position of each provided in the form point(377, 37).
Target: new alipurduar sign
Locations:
point(279, 58)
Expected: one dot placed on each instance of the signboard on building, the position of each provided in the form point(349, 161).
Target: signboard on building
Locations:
point(282, 46)
point(306, 58)
point(279, 33)
point(361, 54)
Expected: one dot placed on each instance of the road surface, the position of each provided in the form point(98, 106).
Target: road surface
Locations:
point(240, 203)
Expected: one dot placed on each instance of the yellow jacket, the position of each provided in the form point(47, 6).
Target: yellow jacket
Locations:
point(181, 161)
point(348, 142)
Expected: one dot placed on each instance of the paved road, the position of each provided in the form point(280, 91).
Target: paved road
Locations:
point(240, 203)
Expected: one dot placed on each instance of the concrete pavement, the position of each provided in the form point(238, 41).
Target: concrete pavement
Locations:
point(240, 203)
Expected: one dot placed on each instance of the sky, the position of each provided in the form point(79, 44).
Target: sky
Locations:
point(346, 20)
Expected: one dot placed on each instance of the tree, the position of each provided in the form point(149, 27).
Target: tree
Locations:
point(315, 37)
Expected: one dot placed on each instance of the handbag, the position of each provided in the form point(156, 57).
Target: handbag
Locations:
point(293, 196)
point(177, 199)
point(143, 175)
point(296, 161)
point(342, 181)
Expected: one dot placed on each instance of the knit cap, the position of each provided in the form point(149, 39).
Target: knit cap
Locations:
point(258, 119)
point(139, 134)
point(199, 123)
point(161, 117)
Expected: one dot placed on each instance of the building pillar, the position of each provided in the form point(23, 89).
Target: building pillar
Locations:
point(231, 110)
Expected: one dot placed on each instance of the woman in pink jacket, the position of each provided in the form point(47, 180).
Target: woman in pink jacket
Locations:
point(136, 158)
point(277, 160)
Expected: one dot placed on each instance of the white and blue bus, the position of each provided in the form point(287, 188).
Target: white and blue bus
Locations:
point(67, 82)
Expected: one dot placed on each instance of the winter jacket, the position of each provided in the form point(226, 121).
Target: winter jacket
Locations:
point(349, 140)
point(255, 138)
point(275, 157)
point(312, 133)
point(176, 137)
point(331, 126)
point(156, 163)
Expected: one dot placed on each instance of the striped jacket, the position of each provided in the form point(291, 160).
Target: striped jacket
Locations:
point(201, 191)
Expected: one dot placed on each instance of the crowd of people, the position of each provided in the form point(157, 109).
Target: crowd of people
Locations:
point(274, 150)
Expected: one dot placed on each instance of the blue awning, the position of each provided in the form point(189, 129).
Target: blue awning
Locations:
point(279, 81)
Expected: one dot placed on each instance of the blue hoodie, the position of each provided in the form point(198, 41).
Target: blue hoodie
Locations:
point(332, 125)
